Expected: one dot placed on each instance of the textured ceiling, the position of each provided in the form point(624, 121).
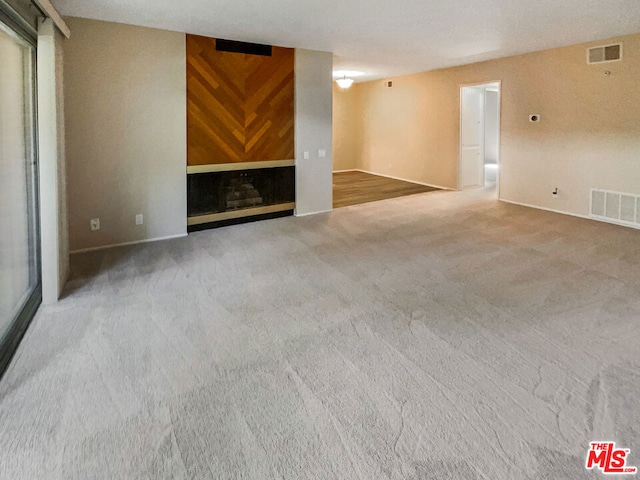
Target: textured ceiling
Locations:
point(382, 38)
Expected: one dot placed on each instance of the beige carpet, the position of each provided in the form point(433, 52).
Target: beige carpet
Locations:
point(436, 336)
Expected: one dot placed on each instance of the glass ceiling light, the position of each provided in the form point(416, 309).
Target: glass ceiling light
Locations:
point(344, 82)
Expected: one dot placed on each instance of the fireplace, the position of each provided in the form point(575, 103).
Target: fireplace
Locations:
point(223, 197)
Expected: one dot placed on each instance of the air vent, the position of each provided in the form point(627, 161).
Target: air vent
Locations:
point(243, 47)
point(615, 207)
point(604, 54)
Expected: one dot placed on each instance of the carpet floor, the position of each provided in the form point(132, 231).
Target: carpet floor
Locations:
point(436, 336)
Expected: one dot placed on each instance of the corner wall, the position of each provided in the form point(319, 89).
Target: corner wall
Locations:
point(589, 135)
point(51, 160)
point(313, 131)
point(125, 108)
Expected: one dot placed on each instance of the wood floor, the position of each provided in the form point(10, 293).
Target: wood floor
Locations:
point(352, 188)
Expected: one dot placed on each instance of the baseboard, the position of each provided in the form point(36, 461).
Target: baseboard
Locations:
point(561, 212)
point(347, 170)
point(124, 244)
point(312, 213)
point(613, 222)
point(404, 179)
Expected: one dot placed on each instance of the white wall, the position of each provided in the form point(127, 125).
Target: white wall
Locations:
point(313, 124)
point(589, 136)
point(125, 106)
point(346, 113)
point(125, 99)
point(51, 152)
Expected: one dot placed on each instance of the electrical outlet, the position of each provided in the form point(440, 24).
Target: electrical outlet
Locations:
point(305, 155)
point(322, 153)
point(95, 224)
point(139, 219)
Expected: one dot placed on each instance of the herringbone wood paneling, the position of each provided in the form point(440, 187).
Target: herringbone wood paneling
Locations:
point(239, 106)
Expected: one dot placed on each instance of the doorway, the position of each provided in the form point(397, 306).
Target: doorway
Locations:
point(480, 136)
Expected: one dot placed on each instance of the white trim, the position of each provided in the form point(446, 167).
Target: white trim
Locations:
point(49, 159)
point(499, 156)
point(124, 244)
point(480, 84)
point(347, 170)
point(311, 213)
point(619, 223)
point(499, 159)
point(562, 212)
point(404, 179)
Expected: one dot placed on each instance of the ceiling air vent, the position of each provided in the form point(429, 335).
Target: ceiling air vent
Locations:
point(605, 53)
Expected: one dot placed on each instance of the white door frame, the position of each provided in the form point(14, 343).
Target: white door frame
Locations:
point(479, 84)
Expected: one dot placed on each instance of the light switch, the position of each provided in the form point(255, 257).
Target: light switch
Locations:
point(306, 155)
point(322, 153)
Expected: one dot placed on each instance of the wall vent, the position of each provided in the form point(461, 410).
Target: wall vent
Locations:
point(243, 47)
point(604, 54)
point(615, 207)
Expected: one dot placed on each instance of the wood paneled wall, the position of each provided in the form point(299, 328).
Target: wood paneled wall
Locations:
point(240, 107)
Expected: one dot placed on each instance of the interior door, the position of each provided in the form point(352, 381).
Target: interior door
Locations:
point(471, 136)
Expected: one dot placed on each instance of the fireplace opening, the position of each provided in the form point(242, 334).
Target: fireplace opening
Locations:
point(215, 196)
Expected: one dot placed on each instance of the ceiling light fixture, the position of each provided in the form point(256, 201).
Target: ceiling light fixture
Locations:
point(344, 82)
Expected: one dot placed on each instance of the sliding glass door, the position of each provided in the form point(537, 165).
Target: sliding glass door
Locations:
point(19, 246)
